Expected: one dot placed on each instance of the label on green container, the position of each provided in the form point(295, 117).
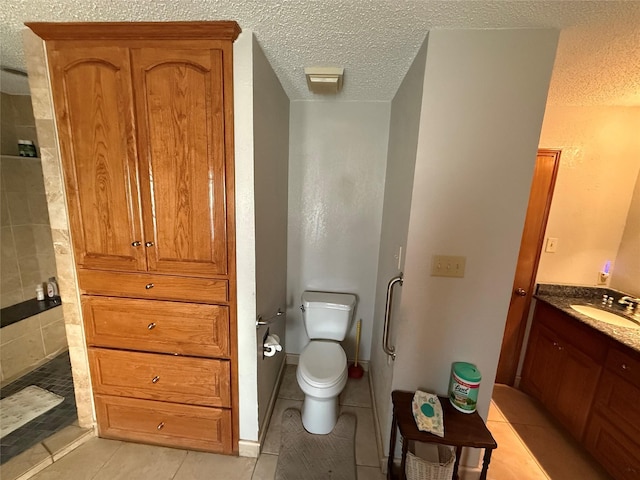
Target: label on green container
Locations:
point(464, 386)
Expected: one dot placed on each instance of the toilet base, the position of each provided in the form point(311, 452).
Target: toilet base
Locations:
point(319, 415)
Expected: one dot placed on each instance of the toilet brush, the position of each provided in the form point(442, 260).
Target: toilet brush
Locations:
point(355, 370)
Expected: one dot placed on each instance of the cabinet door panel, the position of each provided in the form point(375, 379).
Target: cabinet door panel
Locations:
point(577, 380)
point(94, 109)
point(541, 361)
point(180, 108)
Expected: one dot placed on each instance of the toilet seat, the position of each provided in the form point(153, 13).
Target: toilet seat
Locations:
point(323, 364)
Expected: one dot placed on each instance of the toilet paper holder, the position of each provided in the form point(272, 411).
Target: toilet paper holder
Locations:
point(271, 345)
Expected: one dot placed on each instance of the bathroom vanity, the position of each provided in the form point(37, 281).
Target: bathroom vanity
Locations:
point(587, 374)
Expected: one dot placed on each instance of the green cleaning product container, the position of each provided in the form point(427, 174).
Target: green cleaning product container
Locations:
point(464, 386)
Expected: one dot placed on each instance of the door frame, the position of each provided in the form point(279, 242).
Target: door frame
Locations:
point(515, 326)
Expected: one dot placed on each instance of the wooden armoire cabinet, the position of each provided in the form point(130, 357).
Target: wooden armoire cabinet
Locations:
point(144, 115)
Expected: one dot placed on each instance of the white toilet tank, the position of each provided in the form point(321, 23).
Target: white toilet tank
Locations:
point(327, 316)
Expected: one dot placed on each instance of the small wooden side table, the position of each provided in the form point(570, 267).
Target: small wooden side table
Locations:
point(460, 430)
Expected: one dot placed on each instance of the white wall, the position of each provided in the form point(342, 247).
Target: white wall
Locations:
point(271, 162)
point(599, 166)
point(401, 158)
point(336, 177)
point(626, 276)
point(245, 236)
point(483, 102)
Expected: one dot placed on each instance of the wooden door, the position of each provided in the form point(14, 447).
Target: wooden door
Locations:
point(544, 177)
point(94, 110)
point(180, 111)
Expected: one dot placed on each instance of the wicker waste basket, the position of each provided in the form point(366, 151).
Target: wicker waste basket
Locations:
point(429, 461)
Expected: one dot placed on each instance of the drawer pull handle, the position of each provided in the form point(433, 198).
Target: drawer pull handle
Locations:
point(624, 366)
point(155, 379)
point(160, 426)
point(148, 286)
point(151, 326)
point(148, 244)
point(137, 243)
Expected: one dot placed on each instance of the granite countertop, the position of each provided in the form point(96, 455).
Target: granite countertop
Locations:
point(563, 296)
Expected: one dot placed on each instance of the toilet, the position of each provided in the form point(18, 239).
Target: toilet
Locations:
point(322, 367)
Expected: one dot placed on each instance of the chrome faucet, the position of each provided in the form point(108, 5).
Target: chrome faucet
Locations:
point(630, 302)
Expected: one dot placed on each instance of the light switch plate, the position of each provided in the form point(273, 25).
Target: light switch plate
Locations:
point(447, 266)
point(552, 245)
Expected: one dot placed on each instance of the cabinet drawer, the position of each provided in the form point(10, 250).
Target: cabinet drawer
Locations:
point(617, 401)
point(624, 363)
point(156, 326)
point(168, 378)
point(185, 426)
point(158, 287)
point(572, 331)
point(618, 454)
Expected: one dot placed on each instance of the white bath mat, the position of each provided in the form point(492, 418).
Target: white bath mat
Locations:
point(22, 407)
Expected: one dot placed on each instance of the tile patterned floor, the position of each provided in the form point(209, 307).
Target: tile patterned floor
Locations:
point(54, 376)
point(530, 447)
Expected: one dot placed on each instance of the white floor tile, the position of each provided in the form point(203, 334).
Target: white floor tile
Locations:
point(142, 462)
point(211, 466)
point(366, 446)
point(266, 467)
point(272, 440)
point(370, 473)
point(356, 393)
point(289, 387)
point(82, 463)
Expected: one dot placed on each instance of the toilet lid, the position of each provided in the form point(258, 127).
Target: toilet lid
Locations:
point(322, 364)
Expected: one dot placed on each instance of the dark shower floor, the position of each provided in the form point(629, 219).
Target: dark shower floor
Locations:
point(54, 376)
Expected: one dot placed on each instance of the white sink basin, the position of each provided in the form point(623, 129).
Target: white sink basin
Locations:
point(603, 316)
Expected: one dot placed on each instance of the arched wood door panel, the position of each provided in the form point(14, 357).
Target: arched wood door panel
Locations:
point(179, 102)
point(94, 110)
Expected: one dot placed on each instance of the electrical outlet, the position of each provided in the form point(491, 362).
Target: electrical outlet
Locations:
point(447, 266)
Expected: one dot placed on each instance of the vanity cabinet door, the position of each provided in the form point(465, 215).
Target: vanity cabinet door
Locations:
point(541, 361)
point(93, 99)
point(577, 378)
point(562, 366)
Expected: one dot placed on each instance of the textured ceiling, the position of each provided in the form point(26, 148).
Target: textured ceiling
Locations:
point(598, 60)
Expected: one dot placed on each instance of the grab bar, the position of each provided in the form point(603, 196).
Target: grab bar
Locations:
point(389, 350)
point(267, 321)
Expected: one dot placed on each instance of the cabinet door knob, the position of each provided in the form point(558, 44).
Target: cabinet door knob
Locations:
point(151, 326)
point(148, 286)
point(160, 426)
point(137, 243)
point(148, 244)
point(155, 379)
point(521, 292)
point(624, 366)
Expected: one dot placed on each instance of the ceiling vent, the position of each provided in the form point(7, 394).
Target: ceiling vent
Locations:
point(324, 79)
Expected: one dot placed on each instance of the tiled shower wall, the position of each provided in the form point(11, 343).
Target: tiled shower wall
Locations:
point(26, 246)
point(58, 216)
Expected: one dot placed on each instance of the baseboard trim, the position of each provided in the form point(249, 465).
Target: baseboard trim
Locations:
point(248, 448)
point(272, 403)
point(376, 424)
